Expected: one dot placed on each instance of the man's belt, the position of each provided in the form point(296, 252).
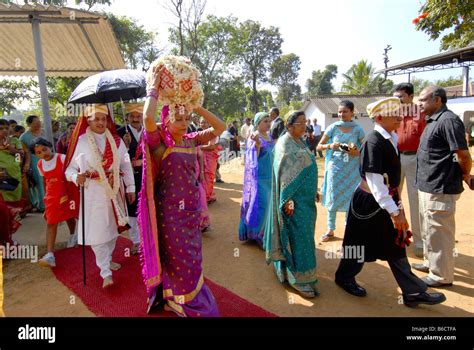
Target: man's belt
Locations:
point(408, 153)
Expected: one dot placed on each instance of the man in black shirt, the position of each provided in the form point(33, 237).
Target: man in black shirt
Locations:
point(443, 162)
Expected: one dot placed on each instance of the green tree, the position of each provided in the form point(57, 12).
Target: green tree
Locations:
point(455, 16)
point(264, 100)
point(284, 74)
point(257, 49)
point(88, 3)
point(137, 45)
point(212, 54)
point(59, 90)
point(419, 84)
point(361, 79)
point(320, 82)
point(451, 81)
point(91, 3)
point(228, 99)
point(14, 92)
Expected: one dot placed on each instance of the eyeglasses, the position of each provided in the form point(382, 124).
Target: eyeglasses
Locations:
point(298, 124)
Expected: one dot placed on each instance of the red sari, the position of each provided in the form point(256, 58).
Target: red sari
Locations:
point(10, 222)
point(210, 165)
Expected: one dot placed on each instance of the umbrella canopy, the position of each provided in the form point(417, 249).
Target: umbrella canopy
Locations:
point(110, 86)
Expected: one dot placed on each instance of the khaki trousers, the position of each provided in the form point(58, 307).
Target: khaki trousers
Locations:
point(438, 231)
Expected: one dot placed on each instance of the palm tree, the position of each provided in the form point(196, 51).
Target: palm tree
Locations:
point(361, 79)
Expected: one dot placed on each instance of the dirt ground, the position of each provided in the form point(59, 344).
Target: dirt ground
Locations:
point(34, 291)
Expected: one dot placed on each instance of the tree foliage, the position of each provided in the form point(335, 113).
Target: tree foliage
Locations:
point(14, 92)
point(360, 79)
point(60, 3)
point(419, 84)
point(451, 81)
point(284, 75)
point(321, 81)
point(212, 55)
point(257, 49)
point(453, 20)
point(137, 45)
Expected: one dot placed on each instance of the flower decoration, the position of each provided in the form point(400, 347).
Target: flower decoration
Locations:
point(420, 17)
point(179, 84)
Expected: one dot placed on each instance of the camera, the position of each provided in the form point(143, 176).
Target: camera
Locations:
point(344, 147)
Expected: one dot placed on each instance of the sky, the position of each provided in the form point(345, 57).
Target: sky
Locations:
point(339, 32)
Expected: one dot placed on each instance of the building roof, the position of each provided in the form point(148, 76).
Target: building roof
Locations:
point(457, 90)
point(328, 104)
point(75, 43)
point(463, 57)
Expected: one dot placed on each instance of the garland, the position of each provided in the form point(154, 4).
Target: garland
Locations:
point(111, 192)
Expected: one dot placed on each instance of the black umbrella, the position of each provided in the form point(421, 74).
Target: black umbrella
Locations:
point(110, 86)
point(106, 87)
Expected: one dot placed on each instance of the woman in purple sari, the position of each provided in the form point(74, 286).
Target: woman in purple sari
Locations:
point(170, 210)
point(257, 181)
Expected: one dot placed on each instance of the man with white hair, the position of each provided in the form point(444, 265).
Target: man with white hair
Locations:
point(376, 225)
point(101, 164)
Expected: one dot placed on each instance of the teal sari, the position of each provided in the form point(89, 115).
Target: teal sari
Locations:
point(37, 191)
point(289, 241)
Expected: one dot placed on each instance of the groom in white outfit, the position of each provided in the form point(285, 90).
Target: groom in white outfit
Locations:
point(102, 165)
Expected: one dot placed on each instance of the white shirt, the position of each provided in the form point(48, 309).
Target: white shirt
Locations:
point(246, 130)
point(317, 130)
point(375, 181)
point(49, 165)
point(226, 135)
point(137, 134)
point(274, 121)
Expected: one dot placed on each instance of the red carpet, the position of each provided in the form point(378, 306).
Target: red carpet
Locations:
point(127, 298)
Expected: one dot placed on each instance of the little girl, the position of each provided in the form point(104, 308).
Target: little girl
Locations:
point(59, 205)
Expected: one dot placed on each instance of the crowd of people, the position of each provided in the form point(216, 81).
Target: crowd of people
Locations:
point(363, 175)
point(156, 180)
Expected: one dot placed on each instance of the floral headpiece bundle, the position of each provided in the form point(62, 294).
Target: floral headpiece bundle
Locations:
point(179, 84)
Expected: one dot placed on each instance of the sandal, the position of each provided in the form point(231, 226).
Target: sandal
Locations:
point(306, 291)
point(327, 236)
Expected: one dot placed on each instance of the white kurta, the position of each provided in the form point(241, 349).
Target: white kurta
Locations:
point(100, 225)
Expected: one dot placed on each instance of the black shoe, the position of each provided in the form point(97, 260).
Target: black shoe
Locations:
point(352, 288)
point(423, 298)
point(420, 267)
point(219, 181)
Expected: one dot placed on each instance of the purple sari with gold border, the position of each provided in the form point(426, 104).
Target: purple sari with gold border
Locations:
point(169, 218)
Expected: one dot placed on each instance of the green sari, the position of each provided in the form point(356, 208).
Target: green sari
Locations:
point(11, 165)
point(37, 192)
point(289, 241)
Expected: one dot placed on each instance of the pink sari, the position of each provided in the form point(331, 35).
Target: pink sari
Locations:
point(169, 217)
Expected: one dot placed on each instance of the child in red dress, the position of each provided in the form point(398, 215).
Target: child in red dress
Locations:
point(60, 206)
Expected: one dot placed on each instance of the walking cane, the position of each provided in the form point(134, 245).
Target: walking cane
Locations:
point(82, 166)
point(83, 235)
